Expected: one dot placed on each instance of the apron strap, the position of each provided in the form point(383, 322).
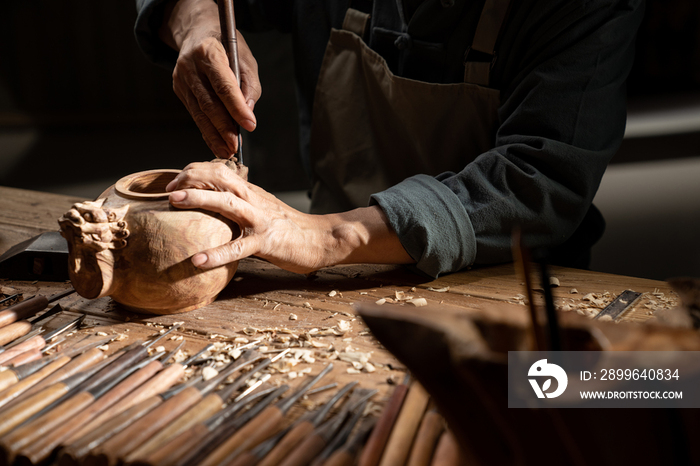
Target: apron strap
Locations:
point(491, 22)
point(356, 21)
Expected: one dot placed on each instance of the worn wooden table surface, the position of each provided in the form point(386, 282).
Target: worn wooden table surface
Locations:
point(266, 302)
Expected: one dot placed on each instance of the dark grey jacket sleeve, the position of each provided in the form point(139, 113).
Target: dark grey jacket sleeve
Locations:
point(150, 16)
point(562, 117)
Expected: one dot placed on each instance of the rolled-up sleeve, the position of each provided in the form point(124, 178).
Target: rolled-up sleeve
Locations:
point(148, 20)
point(562, 117)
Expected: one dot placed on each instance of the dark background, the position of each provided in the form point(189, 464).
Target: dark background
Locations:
point(80, 107)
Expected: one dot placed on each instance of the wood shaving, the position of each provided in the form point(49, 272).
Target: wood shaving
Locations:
point(344, 325)
point(379, 302)
point(209, 373)
point(439, 290)
point(101, 334)
point(332, 293)
point(160, 349)
point(418, 302)
point(352, 370)
point(308, 305)
point(293, 317)
point(573, 291)
point(103, 348)
point(553, 281)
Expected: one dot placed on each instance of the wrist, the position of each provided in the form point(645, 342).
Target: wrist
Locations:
point(183, 19)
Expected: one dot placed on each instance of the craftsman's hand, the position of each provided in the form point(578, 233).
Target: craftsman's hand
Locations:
point(203, 80)
point(278, 233)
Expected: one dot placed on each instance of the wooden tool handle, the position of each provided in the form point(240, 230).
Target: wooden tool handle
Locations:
point(340, 458)
point(35, 342)
point(288, 443)
point(10, 393)
point(447, 452)
point(245, 459)
point(119, 446)
point(429, 433)
point(306, 451)
point(17, 440)
point(176, 448)
point(81, 447)
point(7, 378)
point(42, 448)
point(248, 436)
point(195, 415)
point(77, 364)
point(18, 412)
point(372, 453)
point(22, 310)
point(157, 384)
point(404, 431)
point(24, 358)
point(12, 332)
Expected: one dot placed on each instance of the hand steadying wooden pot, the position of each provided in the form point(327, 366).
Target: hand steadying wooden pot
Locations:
point(132, 245)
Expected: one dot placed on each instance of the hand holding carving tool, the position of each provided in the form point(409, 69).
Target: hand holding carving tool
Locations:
point(300, 431)
point(263, 426)
point(122, 444)
point(312, 445)
point(372, 453)
point(38, 341)
point(29, 307)
point(227, 19)
point(82, 407)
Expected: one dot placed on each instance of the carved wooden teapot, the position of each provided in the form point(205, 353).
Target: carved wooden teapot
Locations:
point(132, 245)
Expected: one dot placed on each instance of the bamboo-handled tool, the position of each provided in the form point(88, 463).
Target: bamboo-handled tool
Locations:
point(23, 410)
point(29, 307)
point(201, 411)
point(161, 382)
point(78, 450)
point(299, 431)
point(342, 436)
point(74, 412)
point(38, 341)
point(431, 428)
point(119, 447)
point(372, 453)
point(227, 20)
point(202, 439)
point(312, 445)
point(404, 431)
point(346, 455)
point(51, 417)
point(263, 426)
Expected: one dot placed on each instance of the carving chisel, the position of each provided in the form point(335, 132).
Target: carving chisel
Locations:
point(29, 307)
point(342, 436)
point(227, 20)
point(38, 341)
point(346, 455)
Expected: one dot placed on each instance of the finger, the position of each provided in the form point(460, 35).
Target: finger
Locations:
point(227, 253)
point(210, 132)
point(211, 176)
point(224, 203)
point(225, 85)
point(250, 81)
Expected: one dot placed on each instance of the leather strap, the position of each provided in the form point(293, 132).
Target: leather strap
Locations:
point(356, 21)
point(488, 29)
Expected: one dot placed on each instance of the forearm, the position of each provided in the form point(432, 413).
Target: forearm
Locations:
point(365, 236)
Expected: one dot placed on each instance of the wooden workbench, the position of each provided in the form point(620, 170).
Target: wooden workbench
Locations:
point(263, 298)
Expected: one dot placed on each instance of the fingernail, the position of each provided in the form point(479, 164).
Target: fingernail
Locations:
point(248, 125)
point(199, 259)
point(178, 196)
point(251, 104)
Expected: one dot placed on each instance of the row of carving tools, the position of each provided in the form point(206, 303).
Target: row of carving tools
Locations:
point(77, 406)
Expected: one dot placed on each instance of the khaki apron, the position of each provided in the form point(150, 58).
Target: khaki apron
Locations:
point(371, 129)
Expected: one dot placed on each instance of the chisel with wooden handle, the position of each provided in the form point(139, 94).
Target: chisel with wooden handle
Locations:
point(118, 447)
point(312, 445)
point(341, 437)
point(263, 426)
point(404, 431)
point(199, 441)
point(85, 394)
point(346, 455)
point(204, 409)
point(81, 409)
point(38, 341)
point(431, 428)
point(162, 381)
point(29, 307)
point(372, 452)
point(301, 430)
